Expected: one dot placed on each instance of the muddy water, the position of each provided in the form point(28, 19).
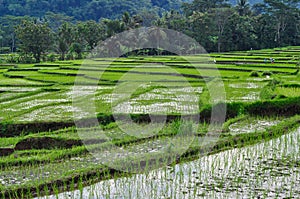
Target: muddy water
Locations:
point(266, 170)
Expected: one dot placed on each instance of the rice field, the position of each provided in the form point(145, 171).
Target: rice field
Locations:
point(152, 127)
point(266, 170)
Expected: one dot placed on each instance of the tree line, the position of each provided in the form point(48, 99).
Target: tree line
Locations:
point(217, 25)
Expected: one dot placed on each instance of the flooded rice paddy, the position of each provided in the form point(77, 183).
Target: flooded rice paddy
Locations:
point(267, 170)
point(176, 100)
point(244, 91)
point(250, 125)
point(48, 105)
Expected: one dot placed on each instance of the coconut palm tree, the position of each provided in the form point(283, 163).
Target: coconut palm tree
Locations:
point(243, 7)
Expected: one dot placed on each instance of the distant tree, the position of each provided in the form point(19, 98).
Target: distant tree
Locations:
point(113, 26)
point(148, 17)
point(202, 6)
point(172, 20)
point(222, 16)
point(97, 9)
point(240, 33)
point(7, 25)
point(284, 13)
point(16, 9)
point(264, 30)
point(36, 8)
point(65, 39)
point(243, 7)
point(91, 32)
point(157, 37)
point(35, 38)
point(281, 19)
point(78, 49)
point(131, 22)
point(56, 20)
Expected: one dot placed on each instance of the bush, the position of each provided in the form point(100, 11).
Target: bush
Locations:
point(254, 74)
point(281, 96)
point(291, 85)
point(296, 72)
point(275, 82)
point(5, 50)
point(25, 59)
point(69, 56)
point(12, 58)
point(265, 73)
point(51, 57)
point(268, 92)
point(232, 110)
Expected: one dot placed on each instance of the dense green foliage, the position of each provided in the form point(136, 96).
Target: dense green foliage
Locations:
point(83, 9)
point(216, 25)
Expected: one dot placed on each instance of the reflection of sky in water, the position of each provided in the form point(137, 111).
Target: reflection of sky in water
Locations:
point(247, 85)
point(244, 91)
point(265, 170)
point(34, 103)
point(180, 100)
point(166, 107)
point(19, 89)
point(253, 126)
point(54, 113)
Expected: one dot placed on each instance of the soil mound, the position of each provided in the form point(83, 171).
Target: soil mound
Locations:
point(6, 151)
point(46, 143)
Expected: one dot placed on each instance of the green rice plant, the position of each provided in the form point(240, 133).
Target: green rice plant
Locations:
point(288, 92)
point(55, 159)
point(267, 73)
point(268, 92)
point(284, 107)
point(229, 122)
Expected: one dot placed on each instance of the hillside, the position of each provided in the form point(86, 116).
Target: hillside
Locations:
point(90, 9)
point(215, 24)
point(251, 2)
point(84, 9)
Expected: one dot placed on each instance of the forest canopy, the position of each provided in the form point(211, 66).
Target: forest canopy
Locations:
point(84, 9)
point(77, 26)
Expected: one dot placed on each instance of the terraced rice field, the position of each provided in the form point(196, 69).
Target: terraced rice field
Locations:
point(84, 128)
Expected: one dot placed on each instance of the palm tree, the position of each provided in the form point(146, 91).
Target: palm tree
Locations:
point(243, 7)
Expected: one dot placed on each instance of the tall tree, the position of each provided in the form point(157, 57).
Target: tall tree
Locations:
point(173, 20)
point(240, 33)
point(92, 32)
point(222, 16)
point(284, 17)
point(202, 29)
point(131, 22)
point(35, 38)
point(113, 26)
point(65, 37)
point(243, 7)
point(148, 17)
point(8, 24)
